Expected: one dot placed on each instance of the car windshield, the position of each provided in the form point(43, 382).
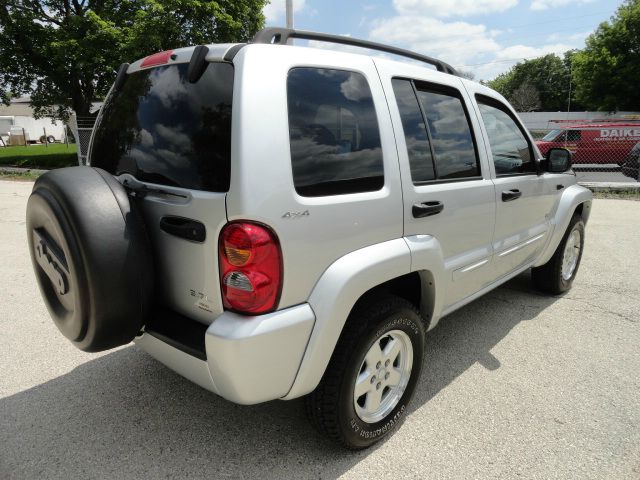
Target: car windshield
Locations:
point(163, 129)
point(551, 135)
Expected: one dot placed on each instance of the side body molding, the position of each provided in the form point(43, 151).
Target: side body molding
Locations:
point(335, 294)
point(569, 201)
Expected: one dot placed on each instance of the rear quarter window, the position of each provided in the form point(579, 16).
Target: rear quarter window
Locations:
point(333, 133)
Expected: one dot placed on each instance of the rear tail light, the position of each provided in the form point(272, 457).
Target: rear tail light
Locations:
point(250, 268)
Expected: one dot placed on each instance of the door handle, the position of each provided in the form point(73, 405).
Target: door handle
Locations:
point(184, 228)
point(510, 195)
point(426, 209)
point(559, 187)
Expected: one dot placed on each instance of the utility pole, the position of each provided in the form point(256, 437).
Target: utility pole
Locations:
point(289, 8)
point(569, 99)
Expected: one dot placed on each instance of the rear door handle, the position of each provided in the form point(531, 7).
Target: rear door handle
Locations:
point(510, 195)
point(427, 209)
point(559, 186)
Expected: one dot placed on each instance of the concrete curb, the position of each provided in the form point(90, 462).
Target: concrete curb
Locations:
point(22, 170)
point(612, 186)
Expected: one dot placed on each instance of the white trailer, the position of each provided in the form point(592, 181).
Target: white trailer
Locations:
point(35, 130)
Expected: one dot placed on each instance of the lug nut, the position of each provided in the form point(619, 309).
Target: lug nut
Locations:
point(373, 379)
point(386, 364)
point(378, 365)
point(386, 375)
point(378, 386)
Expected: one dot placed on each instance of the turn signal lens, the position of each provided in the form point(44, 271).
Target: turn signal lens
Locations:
point(250, 268)
point(237, 244)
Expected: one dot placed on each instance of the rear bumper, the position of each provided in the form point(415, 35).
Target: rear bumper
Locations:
point(248, 359)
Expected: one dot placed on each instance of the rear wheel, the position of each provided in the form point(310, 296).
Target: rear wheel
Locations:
point(557, 275)
point(91, 256)
point(372, 374)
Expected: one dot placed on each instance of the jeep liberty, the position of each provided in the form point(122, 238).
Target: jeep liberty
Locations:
point(275, 221)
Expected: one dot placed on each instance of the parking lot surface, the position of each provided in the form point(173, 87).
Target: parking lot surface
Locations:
point(516, 384)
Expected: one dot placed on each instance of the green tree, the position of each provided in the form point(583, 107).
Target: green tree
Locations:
point(548, 75)
point(65, 53)
point(607, 71)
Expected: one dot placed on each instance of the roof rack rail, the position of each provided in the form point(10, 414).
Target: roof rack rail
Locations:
point(277, 35)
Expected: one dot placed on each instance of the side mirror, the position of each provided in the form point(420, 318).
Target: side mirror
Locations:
point(558, 160)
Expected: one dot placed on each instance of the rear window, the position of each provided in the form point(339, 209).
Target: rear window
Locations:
point(163, 129)
point(334, 135)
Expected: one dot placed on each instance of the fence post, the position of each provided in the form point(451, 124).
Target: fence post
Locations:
point(46, 141)
point(24, 137)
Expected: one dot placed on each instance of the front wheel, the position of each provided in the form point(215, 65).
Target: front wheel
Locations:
point(372, 374)
point(557, 275)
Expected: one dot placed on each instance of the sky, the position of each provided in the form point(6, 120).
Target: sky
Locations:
point(484, 37)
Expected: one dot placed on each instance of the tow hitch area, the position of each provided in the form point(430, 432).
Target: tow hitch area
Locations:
point(51, 260)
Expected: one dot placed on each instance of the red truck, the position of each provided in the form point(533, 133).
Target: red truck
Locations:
point(598, 143)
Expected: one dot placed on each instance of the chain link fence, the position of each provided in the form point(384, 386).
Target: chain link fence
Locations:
point(606, 148)
point(82, 128)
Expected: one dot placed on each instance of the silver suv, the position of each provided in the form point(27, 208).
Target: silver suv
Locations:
point(274, 221)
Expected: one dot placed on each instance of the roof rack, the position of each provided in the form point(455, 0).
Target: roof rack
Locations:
point(277, 35)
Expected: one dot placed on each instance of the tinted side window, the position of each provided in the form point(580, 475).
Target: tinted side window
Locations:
point(415, 132)
point(334, 134)
point(509, 146)
point(573, 135)
point(451, 137)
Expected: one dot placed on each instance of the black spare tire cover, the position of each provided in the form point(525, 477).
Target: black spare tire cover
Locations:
point(91, 256)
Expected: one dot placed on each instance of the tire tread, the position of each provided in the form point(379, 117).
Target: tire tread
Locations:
point(321, 405)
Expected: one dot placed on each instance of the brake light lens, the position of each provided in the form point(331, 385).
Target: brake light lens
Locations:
point(250, 268)
point(156, 59)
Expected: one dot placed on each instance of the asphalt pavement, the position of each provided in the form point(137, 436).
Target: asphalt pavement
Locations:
point(601, 173)
point(514, 385)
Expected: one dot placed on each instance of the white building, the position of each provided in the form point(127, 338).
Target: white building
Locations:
point(17, 121)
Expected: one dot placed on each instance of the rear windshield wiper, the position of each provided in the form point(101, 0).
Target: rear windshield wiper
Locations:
point(138, 189)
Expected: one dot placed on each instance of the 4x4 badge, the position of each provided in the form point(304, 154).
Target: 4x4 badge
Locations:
point(296, 214)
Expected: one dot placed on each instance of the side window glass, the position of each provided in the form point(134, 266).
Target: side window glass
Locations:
point(440, 143)
point(509, 146)
point(451, 137)
point(415, 132)
point(333, 131)
point(573, 136)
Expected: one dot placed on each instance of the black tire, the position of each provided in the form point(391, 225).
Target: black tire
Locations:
point(330, 407)
point(631, 168)
point(548, 277)
point(50, 139)
point(82, 217)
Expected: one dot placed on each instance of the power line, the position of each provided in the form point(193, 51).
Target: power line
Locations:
point(506, 60)
point(558, 19)
point(564, 33)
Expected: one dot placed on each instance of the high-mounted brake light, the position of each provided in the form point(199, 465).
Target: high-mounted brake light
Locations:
point(159, 58)
point(250, 268)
